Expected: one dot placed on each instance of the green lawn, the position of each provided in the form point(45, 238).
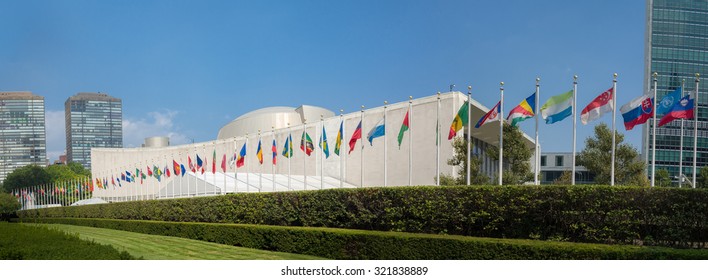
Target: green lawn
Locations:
point(156, 247)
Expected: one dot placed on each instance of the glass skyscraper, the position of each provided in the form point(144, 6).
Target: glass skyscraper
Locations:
point(677, 48)
point(22, 131)
point(92, 120)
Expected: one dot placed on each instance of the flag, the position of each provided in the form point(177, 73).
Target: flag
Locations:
point(523, 111)
point(127, 177)
point(113, 181)
point(306, 143)
point(667, 103)
point(460, 120)
point(122, 176)
point(259, 152)
point(557, 107)
point(182, 169)
point(191, 164)
point(167, 171)
point(355, 136)
point(377, 131)
point(149, 171)
point(338, 142)
point(288, 148)
point(223, 163)
point(323, 143)
point(492, 115)
point(275, 152)
point(601, 104)
point(637, 111)
point(404, 127)
point(213, 163)
point(175, 168)
point(119, 184)
point(681, 110)
point(241, 156)
point(199, 162)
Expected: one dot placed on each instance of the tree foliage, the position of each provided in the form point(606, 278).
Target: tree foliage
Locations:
point(33, 175)
point(8, 204)
point(702, 178)
point(597, 156)
point(516, 157)
point(460, 160)
point(662, 178)
point(564, 179)
point(26, 176)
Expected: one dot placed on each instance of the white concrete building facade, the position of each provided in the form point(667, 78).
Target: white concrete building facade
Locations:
point(301, 171)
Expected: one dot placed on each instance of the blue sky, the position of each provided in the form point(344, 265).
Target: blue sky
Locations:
point(186, 68)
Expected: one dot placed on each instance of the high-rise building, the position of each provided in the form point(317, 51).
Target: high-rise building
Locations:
point(676, 48)
point(23, 138)
point(93, 120)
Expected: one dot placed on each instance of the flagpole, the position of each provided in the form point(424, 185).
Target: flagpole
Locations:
point(322, 153)
point(385, 144)
point(260, 173)
point(469, 133)
point(341, 153)
point(410, 140)
point(248, 169)
point(437, 143)
point(683, 84)
point(536, 149)
point(289, 143)
point(653, 137)
point(361, 171)
point(272, 164)
point(614, 131)
point(501, 130)
point(304, 156)
point(575, 101)
point(695, 129)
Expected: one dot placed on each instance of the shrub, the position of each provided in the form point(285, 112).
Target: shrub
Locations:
point(360, 244)
point(21, 242)
point(596, 214)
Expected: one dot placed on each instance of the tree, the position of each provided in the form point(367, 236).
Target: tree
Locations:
point(8, 204)
point(702, 178)
point(79, 169)
point(460, 160)
point(516, 156)
point(62, 173)
point(564, 179)
point(629, 169)
point(26, 176)
point(662, 178)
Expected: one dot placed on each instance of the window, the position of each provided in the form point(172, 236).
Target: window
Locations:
point(543, 160)
point(559, 160)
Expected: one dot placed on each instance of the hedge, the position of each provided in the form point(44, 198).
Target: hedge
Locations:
point(361, 244)
point(20, 242)
point(593, 214)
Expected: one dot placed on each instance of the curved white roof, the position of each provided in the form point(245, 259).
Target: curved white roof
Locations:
point(268, 118)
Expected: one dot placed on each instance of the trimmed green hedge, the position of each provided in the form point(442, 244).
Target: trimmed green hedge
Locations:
point(21, 242)
point(360, 244)
point(595, 214)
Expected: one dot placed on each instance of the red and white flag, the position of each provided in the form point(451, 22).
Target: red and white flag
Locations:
point(600, 105)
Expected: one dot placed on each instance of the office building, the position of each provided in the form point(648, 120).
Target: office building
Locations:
point(22, 131)
point(93, 120)
point(676, 47)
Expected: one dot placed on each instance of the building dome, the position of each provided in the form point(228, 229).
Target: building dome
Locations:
point(267, 118)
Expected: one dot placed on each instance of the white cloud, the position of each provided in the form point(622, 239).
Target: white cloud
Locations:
point(56, 134)
point(156, 124)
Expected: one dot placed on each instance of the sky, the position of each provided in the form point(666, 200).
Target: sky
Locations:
point(184, 69)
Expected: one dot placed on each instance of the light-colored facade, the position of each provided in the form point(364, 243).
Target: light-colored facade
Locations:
point(156, 142)
point(92, 120)
point(553, 165)
point(344, 169)
point(676, 47)
point(22, 131)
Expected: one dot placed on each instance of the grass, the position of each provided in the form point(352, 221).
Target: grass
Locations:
point(156, 247)
point(21, 242)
